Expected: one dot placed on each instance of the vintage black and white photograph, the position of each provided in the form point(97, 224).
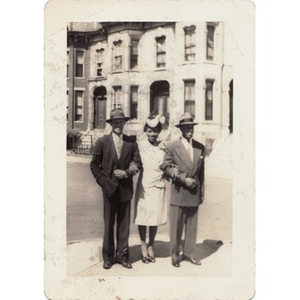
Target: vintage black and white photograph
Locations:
point(150, 166)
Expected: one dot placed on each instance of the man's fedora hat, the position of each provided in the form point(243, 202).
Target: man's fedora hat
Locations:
point(186, 119)
point(115, 114)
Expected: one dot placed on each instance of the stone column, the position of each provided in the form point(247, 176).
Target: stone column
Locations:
point(143, 102)
point(126, 100)
point(91, 110)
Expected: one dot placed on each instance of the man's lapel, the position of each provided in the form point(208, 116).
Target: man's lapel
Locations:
point(183, 154)
point(197, 157)
point(125, 150)
point(112, 149)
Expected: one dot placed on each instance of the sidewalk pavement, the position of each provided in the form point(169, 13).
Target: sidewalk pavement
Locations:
point(84, 258)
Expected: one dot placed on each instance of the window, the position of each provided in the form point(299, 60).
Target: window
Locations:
point(210, 42)
point(133, 102)
point(79, 63)
point(117, 97)
point(68, 59)
point(189, 43)
point(209, 99)
point(117, 65)
point(100, 60)
point(78, 106)
point(189, 97)
point(134, 53)
point(160, 52)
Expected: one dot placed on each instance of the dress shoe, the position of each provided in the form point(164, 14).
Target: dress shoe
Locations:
point(151, 254)
point(175, 263)
point(144, 252)
point(145, 259)
point(152, 259)
point(126, 264)
point(107, 265)
point(193, 260)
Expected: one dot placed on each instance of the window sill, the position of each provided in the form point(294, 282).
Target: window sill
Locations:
point(100, 77)
point(211, 62)
point(160, 69)
point(211, 122)
point(190, 62)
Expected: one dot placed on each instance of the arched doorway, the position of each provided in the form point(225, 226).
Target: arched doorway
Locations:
point(231, 106)
point(100, 107)
point(159, 100)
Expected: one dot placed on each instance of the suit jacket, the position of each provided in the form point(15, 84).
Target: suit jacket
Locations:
point(177, 155)
point(105, 161)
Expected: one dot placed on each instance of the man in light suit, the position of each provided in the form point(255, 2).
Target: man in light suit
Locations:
point(184, 164)
point(115, 161)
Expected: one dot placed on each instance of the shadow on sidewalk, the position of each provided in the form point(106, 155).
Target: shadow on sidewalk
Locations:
point(162, 250)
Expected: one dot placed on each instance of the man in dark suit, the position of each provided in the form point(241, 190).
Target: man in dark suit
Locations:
point(115, 161)
point(184, 164)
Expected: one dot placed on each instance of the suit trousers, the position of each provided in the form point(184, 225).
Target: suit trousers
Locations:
point(114, 210)
point(180, 217)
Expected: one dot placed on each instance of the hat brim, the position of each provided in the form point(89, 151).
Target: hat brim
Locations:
point(121, 118)
point(186, 123)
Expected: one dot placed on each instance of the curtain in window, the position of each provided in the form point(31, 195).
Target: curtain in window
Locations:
point(189, 97)
point(118, 56)
point(117, 97)
point(79, 106)
point(189, 106)
point(160, 52)
point(134, 102)
point(100, 55)
point(189, 90)
point(79, 57)
point(210, 42)
point(209, 100)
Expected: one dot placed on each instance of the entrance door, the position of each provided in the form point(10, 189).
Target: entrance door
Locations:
point(100, 108)
point(101, 112)
point(159, 100)
point(161, 107)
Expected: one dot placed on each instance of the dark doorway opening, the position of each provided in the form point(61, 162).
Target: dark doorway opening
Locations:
point(100, 107)
point(159, 100)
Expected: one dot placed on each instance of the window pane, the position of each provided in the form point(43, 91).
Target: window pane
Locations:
point(134, 46)
point(79, 64)
point(210, 42)
point(79, 106)
point(189, 97)
point(187, 38)
point(118, 63)
point(79, 57)
point(189, 106)
point(209, 100)
point(118, 48)
point(134, 102)
point(133, 61)
point(189, 45)
point(100, 55)
point(189, 90)
point(117, 97)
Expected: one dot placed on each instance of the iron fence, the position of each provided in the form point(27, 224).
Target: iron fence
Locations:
point(83, 145)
